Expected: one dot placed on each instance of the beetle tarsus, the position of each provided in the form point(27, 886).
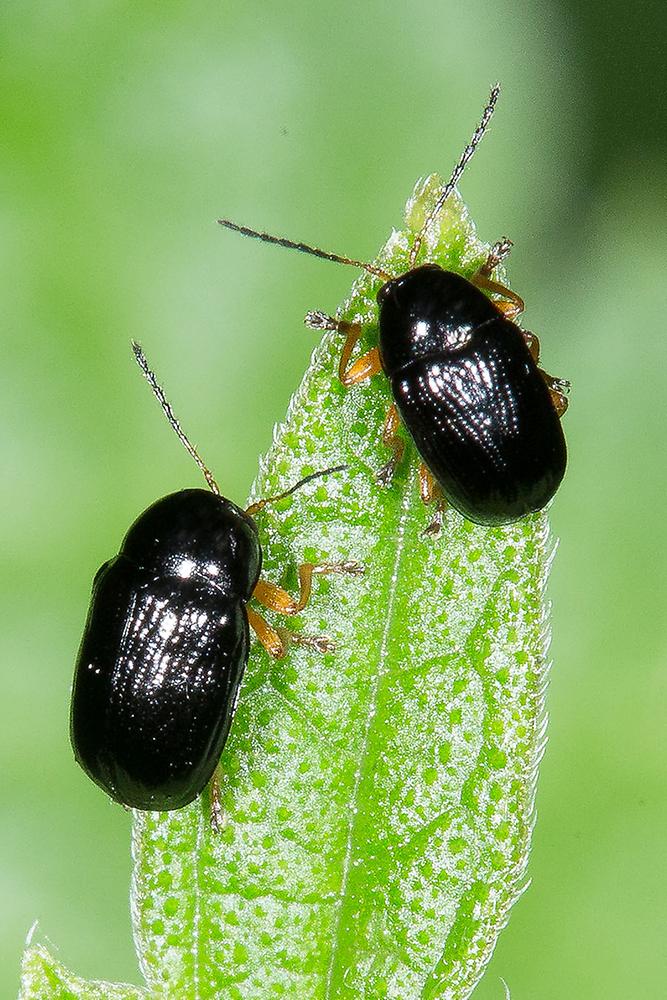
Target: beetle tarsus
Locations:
point(317, 320)
point(434, 528)
point(350, 566)
point(391, 439)
point(533, 344)
point(559, 388)
point(497, 254)
point(320, 643)
point(386, 474)
point(218, 818)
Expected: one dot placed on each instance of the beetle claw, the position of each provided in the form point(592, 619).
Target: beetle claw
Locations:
point(434, 529)
point(320, 643)
point(217, 813)
point(353, 567)
point(218, 818)
point(317, 320)
point(350, 566)
point(497, 254)
point(386, 473)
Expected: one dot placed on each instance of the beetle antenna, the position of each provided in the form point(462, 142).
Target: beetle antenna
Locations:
point(303, 248)
point(158, 392)
point(465, 159)
point(260, 504)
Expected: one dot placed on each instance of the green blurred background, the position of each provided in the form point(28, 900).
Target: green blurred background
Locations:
point(127, 128)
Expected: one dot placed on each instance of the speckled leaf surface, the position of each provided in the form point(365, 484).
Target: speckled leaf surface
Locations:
point(378, 799)
point(45, 978)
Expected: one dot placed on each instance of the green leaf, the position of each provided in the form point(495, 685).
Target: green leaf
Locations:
point(378, 800)
point(44, 978)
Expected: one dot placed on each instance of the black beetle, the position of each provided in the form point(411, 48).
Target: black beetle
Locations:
point(166, 641)
point(465, 378)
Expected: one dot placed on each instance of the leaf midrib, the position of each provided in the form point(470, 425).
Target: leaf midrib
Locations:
point(197, 911)
point(354, 813)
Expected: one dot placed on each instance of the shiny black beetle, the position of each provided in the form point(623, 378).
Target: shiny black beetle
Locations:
point(166, 642)
point(465, 378)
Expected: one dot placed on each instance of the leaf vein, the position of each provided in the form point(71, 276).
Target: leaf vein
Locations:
point(297, 710)
point(363, 758)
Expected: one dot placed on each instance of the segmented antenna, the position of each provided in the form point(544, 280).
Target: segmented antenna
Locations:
point(466, 156)
point(260, 504)
point(303, 248)
point(158, 392)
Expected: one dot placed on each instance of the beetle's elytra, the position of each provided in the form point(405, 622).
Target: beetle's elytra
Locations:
point(166, 642)
point(164, 650)
point(472, 396)
point(465, 378)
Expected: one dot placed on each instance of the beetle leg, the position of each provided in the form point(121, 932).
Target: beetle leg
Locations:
point(320, 643)
point(428, 488)
point(533, 344)
point(317, 320)
point(497, 254)
point(391, 439)
point(364, 367)
point(269, 637)
point(277, 640)
point(218, 819)
point(429, 491)
point(277, 599)
point(558, 388)
point(321, 321)
point(434, 527)
point(514, 304)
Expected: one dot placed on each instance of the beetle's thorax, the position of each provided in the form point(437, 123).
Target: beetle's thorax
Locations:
point(428, 312)
point(197, 535)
